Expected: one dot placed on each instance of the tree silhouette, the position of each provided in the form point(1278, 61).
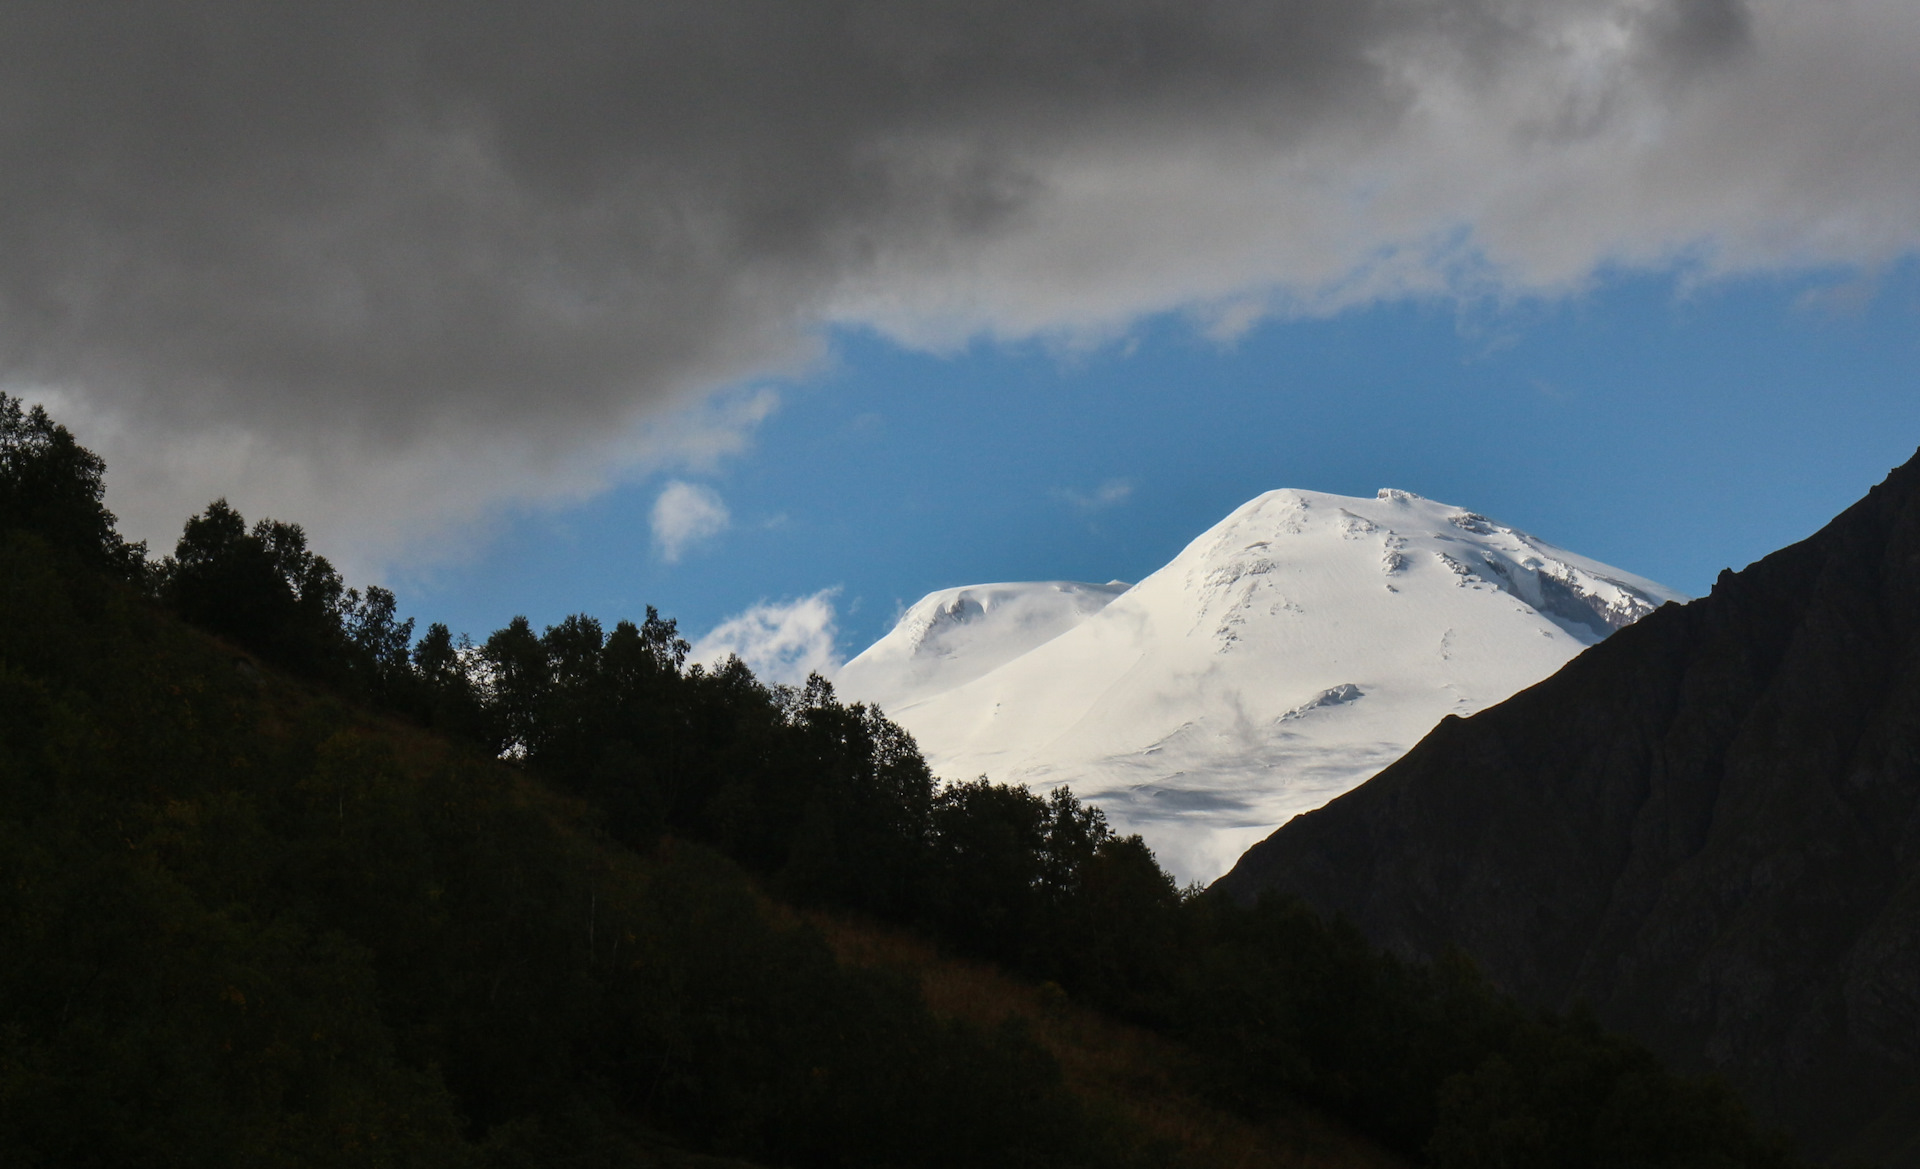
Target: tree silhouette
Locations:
point(54, 487)
point(261, 587)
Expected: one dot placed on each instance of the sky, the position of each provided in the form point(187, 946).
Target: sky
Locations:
point(1669, 432)
point(777, 316)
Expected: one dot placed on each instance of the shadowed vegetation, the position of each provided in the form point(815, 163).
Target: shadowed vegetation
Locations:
point(560, 898)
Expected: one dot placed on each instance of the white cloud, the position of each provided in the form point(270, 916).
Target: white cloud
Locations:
point(782, 641)
point(684, 515)
point(1108, 494)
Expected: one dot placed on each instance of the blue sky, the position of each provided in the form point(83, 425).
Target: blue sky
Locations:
point(1668, 429)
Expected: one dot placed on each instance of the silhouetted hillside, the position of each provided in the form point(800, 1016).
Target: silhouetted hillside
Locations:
point(1707, 826)
point(310, 892)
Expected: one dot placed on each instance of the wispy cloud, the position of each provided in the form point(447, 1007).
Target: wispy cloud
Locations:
point(782, 641)
point(1111, 493)
point(1849, 298)
point(684, 515)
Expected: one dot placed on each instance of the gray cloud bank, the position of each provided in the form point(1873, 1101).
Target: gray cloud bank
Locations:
point(384, 267)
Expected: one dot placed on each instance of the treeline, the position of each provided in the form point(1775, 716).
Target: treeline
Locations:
point(827, 805)
point(244, 922)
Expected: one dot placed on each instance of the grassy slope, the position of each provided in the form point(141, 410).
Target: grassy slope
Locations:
point(1114, 1068)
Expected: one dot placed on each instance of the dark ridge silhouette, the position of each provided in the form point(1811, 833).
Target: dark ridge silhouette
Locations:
point(1707, 827)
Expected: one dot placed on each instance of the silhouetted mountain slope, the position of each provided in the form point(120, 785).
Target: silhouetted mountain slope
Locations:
point(1707, 826)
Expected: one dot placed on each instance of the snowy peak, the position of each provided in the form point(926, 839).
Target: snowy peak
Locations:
point(950, 637)
point(1406, 534)
point(1283, 657)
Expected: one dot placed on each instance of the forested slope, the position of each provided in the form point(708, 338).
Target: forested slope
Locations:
point(313, 892)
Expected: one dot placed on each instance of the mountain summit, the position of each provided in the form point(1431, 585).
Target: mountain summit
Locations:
point(1287, 654)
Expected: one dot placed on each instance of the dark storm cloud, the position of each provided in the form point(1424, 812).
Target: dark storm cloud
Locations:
point(379, 213)
point(376, 236)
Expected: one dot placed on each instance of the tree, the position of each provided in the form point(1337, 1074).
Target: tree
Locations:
point(381, 647)
point(52, 486)
point(443, 670)
point(263, 588)
point(518, 679)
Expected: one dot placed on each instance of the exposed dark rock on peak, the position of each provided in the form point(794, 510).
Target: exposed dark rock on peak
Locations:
point(1707, 826)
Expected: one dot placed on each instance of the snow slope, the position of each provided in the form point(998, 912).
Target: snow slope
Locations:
point(951, 637)
point(1282, 658)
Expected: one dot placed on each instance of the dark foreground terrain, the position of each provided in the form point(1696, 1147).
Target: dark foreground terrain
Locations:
point(1707, 827)
point(281, 884)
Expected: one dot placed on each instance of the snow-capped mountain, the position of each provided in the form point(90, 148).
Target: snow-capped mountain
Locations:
point(1297, 647)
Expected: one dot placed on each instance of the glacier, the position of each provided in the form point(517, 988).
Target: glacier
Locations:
point(1281, 659)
